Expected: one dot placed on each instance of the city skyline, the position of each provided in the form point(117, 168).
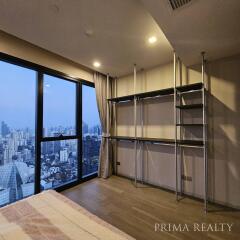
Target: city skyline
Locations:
point(23, 90)
point(84, 124)
point(58, 159)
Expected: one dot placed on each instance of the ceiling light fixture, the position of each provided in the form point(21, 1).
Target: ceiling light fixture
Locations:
point(152, 39)
point(89, 32)
point(96, 64)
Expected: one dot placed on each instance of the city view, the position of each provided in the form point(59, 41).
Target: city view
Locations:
point(59, 162)
point(91, 145)
point(59, 159)
point(17, 162)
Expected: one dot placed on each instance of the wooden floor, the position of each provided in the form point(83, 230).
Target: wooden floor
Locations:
point(136, 210)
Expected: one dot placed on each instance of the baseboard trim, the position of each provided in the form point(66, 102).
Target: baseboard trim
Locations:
point(197, 198)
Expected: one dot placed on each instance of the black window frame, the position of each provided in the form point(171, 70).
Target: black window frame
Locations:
point(39, 138)
point(61, 137)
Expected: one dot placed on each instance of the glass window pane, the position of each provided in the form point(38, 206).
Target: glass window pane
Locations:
point(17, 132)
point(91, 129)
point(58, 163)
point(59, 107)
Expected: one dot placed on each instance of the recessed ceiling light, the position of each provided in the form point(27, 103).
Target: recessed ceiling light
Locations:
point(89, 32)
point(152, 39)
point(96, 64)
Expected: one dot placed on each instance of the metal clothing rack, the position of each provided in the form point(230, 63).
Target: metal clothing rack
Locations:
point(179, 108)
point(178, 142)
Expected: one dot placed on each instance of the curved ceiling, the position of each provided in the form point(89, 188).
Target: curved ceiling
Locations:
point(114, 32)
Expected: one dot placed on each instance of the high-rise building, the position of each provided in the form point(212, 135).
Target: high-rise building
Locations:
point(84, 128)
point(64, 155)
point(97, 130)
point(57, 144)
point(15, 185)
point(4, 129)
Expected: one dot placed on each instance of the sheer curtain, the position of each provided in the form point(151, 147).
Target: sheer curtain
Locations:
point(105, 166)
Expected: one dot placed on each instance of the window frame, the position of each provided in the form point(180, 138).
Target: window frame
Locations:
point(39, 138)
point(61, 137)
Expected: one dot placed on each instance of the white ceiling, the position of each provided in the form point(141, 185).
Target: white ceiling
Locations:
point(114, 32)
point(212, 26)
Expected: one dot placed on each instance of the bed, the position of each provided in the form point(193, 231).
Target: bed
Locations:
point(50, 215)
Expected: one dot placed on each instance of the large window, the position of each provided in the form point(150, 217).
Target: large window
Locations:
point(59, 154)
point(91, 129)
point(17, 132)
point(59, 107)
point(49, 130)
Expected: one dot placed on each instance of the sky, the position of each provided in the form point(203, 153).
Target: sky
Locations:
point(89, 107)
point(18, 97)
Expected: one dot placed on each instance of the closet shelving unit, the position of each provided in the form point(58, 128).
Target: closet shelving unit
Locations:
point(178, 142)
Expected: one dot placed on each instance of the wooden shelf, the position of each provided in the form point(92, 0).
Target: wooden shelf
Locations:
point(123, 138)
point(163, 141)
point(190, 124)
point(122, 99)
point(190, 87)
point(190, 106)
point(196, 143)
point(156, 140)
point(154, 94)
point(157, 93)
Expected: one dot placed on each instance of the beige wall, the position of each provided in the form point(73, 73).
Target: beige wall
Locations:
point(24, 50)
point(224, 130)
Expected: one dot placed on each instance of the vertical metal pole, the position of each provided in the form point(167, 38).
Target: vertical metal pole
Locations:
point(115, 125)
point(180, 129)
point(108, 112)
point(204, 136)
point(175, 120)
point(142, 146)
point(135, 122)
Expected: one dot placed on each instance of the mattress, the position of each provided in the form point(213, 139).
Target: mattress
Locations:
point(50, 215)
